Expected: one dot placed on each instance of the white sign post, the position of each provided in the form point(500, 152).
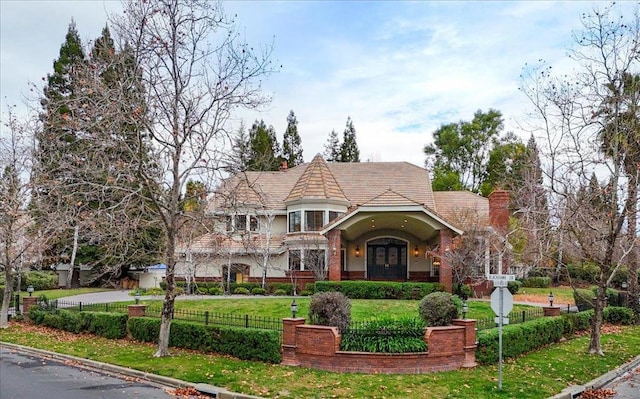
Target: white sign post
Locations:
point(502, 305)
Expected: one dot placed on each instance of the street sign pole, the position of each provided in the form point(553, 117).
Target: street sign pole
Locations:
point(500, 339)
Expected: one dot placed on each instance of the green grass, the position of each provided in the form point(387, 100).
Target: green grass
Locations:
point(59, 293)
point(535, 376)
point(562, 294)
point(361, 309)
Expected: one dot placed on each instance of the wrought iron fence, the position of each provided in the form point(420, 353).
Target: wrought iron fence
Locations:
point(205, 317)
point(486, 323)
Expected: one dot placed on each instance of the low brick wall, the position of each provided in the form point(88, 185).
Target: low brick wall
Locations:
point(318, 347)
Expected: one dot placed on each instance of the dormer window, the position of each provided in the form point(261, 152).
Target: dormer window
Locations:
point(253, 223)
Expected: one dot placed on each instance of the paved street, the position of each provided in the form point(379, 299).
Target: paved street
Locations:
point(31, 376)
point(626, 386)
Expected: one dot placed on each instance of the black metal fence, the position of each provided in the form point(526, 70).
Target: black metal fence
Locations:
point(205, 317)
point(486, 323)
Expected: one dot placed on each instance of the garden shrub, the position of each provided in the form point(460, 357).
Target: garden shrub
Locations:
point(216, 291)
point(514, 286)
point(286, 287)
point(241, 291)
point(330, 309)
point(203, 290)
point(279, 292)
point(536, 282)
point(163, 285)
point(258, 291)
point(378, 289)
point(243, 343)
point(306, 293)
point(438, 309)
point(153, 291)
point(385, 336)
point(40, 280)
point(463, 291)
point(618, 315)
point(108, 325)
point(247, 286)
point(574, 322)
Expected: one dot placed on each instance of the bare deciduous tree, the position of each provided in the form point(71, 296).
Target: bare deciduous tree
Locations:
point(567, 111)
point(196, 72)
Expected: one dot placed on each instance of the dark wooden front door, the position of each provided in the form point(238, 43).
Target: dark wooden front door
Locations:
point(387, 259)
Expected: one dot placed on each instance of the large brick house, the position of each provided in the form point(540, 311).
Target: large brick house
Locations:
point(339, 221)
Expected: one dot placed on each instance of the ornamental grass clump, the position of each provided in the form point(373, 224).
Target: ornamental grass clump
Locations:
point(438, 309)
point(330, 309)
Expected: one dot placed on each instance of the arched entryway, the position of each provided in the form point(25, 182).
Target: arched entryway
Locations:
point(387, 259)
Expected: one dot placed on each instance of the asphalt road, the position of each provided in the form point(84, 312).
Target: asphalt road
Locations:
point(31, 376)
point(627, 386)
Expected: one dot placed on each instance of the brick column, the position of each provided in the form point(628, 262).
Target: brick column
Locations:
point(27, 303)
point(137, 310)
point(469, 341)
point(549, 311)
point(446, 273)
point(335, 270)
point(289, 341)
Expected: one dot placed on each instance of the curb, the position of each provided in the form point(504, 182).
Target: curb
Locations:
point(576, 390)
point(213, 391)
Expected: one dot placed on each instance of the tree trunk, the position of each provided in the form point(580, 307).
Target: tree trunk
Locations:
point(632, 221)
point(595, 346)
point(6, 300)
point(73, 256)
point(170, 294)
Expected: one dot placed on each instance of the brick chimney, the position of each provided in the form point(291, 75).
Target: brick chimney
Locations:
point(499, 210)
point(284, 166)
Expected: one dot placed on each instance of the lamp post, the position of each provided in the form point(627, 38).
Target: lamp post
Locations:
point(30, 289)
point(294, 309)
point(136, 296)
point(551, 299)
point(465, 309)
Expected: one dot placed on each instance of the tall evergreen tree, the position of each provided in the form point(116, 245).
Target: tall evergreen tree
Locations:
point(264, 148)
point(291, 142)
point(332, 148)
point(349, 151)
point(240, 155)
point(84, 192)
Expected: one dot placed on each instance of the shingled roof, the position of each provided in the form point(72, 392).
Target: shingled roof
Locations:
point(359, 183)
point(316, 181)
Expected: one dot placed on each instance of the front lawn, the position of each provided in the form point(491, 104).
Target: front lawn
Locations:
point(278, 307)
point(535, 376)
point(63, 292)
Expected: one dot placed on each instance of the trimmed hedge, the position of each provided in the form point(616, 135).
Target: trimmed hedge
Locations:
point(379, 289)
point(518, 339)
point(108, 325)
point(243, 343)
point(537, 282)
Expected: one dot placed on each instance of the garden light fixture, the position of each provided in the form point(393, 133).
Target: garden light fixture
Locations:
point(136, 296)
point(550, 298)
point(294, 308)
point(465, 309)
point(30, 289)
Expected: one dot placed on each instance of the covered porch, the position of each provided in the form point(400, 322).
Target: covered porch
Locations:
point(391, 244)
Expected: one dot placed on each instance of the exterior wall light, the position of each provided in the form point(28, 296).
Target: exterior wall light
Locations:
point(357, 251)
point(416, 251)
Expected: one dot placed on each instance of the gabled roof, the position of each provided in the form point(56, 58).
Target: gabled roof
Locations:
point(390, 198)
point(316, 182)
point(462, 207)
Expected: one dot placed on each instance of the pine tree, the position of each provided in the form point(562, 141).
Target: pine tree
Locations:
point(240, 151)
point(332, 148)
point(349, 151)
point(264, 148)
point(292, 143)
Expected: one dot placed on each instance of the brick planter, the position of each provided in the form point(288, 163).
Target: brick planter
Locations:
point(318, 347)
point(551, 311)
point(137, 310)
point(27, 303)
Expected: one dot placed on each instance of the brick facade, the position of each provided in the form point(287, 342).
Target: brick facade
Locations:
point(335, 269)
point(318, 347)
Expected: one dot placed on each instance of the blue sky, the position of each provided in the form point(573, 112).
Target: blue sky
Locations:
point(399, 69)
